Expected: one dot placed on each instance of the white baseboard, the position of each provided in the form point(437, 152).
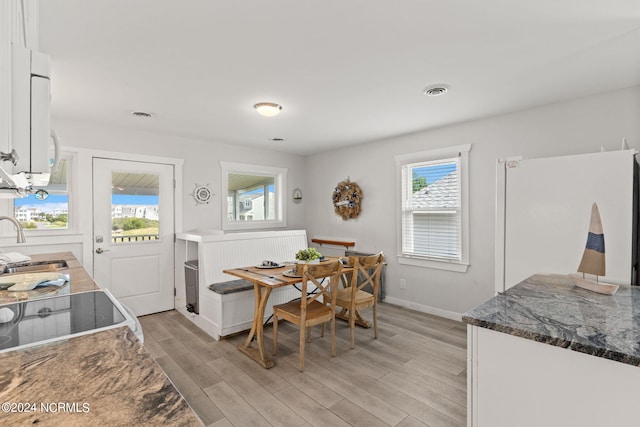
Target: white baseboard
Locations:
point(204, 324)
point(424, 308)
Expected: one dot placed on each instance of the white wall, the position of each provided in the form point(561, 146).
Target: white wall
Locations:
point(578, 126)
point(201, 165)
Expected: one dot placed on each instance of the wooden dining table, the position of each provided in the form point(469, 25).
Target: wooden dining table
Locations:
point(264, 281)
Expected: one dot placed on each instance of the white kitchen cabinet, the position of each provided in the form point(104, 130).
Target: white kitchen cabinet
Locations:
point(16, 30)
point(514, 381)
point(5, 74)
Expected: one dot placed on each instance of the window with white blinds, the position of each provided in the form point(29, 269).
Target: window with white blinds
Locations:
point(433, 218)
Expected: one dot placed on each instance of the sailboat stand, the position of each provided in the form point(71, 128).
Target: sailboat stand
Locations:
point(593, 258)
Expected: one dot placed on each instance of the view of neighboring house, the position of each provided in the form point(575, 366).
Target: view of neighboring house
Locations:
point(251, 207)
point(436, 214)
point(28, 214)
point(440, 194)
point(135, 211)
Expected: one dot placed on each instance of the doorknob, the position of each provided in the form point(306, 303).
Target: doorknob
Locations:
point(100, 250)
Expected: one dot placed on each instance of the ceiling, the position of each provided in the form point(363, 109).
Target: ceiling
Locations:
point(345, 71)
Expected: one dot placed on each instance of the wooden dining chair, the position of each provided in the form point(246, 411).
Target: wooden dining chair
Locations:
point(311, 309)
point(366, 272)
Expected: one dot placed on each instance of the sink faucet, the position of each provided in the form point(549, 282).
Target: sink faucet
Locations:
point(20, 236)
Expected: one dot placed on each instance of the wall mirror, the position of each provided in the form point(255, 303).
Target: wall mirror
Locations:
point(254, 196)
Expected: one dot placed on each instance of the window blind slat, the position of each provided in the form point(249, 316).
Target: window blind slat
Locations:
point(431, 217)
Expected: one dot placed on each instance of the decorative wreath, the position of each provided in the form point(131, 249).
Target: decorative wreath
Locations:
point(346, 199)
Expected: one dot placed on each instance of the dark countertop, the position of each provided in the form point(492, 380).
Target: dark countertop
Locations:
point(108, 378)
point(550, 310)
point(104, 378)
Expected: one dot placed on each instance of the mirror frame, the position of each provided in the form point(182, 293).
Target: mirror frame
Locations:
point(279, 178)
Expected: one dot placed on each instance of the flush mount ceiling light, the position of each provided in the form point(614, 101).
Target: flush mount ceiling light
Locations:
point(268, 109)
point(436, 90)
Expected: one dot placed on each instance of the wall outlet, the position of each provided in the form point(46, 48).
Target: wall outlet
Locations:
point(403, 284)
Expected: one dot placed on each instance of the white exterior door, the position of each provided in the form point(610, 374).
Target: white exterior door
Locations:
point(133, 232)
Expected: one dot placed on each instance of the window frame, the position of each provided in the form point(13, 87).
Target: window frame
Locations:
point(279, 178)
point(402, 161)
point(72, 211)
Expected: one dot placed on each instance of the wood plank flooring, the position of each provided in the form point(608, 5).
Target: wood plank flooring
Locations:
point(414, 374)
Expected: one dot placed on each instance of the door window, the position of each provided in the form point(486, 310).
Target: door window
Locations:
point(134, 207)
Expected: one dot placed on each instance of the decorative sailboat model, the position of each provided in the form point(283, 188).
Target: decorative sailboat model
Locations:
point(593, 259)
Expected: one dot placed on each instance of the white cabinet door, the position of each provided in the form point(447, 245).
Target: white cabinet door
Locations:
point(520, 382)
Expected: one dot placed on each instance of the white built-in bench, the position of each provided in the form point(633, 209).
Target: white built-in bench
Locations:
point(229, 309)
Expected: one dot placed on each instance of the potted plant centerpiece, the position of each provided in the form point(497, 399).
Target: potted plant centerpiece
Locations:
point(307, 256)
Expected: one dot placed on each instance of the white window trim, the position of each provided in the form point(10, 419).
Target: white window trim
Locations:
point(280, 179)
point(73, 211)
point(462, 265)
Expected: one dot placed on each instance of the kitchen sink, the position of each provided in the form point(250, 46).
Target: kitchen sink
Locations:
point(37, 267)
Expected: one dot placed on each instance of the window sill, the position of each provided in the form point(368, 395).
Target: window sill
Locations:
point(456, 266)
point(32, 239)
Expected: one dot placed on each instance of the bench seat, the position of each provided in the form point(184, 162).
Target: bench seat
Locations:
point(227, 306)
point(231, 286)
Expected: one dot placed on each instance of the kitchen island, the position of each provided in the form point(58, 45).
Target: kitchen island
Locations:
point(547, 353)
point(104, 378)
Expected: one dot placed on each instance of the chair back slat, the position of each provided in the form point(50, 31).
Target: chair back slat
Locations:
point(325, 277)
point(366, 271)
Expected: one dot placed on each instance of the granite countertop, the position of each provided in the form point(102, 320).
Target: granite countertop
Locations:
point(549, 309)
point(104, 378)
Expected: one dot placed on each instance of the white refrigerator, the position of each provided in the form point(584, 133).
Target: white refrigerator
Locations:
point(543, 209)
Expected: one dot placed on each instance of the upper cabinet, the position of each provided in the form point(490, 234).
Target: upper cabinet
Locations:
point(18, 27)
point(25, 130)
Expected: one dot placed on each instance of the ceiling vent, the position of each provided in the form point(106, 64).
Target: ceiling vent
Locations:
point(436, 90)
point(141, 114)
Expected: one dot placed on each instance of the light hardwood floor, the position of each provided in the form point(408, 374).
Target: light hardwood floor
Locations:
point(414, 374)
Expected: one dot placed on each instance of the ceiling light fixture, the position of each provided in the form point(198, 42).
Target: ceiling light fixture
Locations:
point(268, 109)
point(436, 90)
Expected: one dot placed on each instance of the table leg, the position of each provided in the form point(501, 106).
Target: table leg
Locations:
point(344, 315)
point(261, 294)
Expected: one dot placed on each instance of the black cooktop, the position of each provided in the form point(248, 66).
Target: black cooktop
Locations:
point(29, 322)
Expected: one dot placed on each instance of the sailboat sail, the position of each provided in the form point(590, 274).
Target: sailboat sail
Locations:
point(593, 259)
